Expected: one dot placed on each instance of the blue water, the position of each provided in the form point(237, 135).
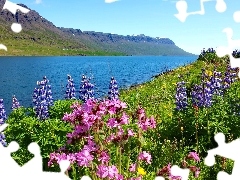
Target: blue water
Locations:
point(18, 75)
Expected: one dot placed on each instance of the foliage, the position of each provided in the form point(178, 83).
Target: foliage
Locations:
point(184, 129)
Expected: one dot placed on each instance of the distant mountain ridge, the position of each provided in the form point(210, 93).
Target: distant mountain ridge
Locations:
point(116, 38)
point(41, 37)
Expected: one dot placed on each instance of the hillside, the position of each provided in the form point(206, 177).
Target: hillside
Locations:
point(41, 37)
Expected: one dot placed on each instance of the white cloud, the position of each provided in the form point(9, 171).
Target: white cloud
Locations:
point(38, 1)
point(110, 1)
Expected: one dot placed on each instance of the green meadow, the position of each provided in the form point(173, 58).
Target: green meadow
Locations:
point(177, 132)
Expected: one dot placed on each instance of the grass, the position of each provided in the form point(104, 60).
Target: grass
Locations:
point(177, 133)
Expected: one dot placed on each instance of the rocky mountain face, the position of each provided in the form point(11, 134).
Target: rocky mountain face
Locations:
point(40, 31)
point(108, 37)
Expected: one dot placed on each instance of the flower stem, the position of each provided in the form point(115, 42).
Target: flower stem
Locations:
point(120, 160)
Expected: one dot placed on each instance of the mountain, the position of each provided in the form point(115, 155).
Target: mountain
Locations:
point(41, 37)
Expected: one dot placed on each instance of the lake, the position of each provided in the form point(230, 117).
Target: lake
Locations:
point(18, 75)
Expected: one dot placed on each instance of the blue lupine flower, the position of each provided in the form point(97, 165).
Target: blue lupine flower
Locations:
point(42, 99)
point(113, 89)
point(3, 139)
point(15, 103)
point(230, 77)
point(216, 83)
point(181, 96)
point(3, 116)
point(202, 94)
point(86, 89)
point(207, 94)
point(70, 92)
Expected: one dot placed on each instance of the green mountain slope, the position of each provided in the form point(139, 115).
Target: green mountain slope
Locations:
point(41, 37)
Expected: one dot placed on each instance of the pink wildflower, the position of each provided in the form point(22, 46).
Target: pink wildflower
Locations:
point(194, 156)
point(83, 158)
point(124, 119)
point(102, 171)
point(130, 132)
point(119, 177)
point(112, 122)
point(195, 170)
point(144, 156)
point(112, 172)
point(104, 157)
point(132, 167)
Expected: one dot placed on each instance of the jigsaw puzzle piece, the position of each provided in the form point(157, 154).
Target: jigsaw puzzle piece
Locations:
point(35, 164)
point(7, 164)
point(4, 126)
point(64, 164)
point(221, 6)
point(227, 150)
point(223, 176)
point(222, 51)
point(159, 178)
point(13, 8)
point(3, 47)
point(183, 173)
point(182, 7)
point(236, 16)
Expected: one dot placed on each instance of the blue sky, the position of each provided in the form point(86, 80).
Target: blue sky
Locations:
point(153, 18)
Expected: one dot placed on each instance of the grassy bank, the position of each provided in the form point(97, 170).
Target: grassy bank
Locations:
point(40, 50)
point(178, 133)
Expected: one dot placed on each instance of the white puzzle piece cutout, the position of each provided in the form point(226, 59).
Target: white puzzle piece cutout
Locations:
point(232, 44)
point(13, 8)
point(182, 8)
point(159, 178)
point(16, 27)
point(227, 150)
point(177, 171)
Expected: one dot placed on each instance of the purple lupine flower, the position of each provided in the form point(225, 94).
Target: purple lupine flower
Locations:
point(70, 92)
point(181, 96)
point(197, 98)
point(3, 118)
point(216, 83)
point(42, 98)
point(86, 89)
point(3, 115)
point(202, 94)
point(230, 77)
point(113, 89)
point(3, 139)
point(15, 103)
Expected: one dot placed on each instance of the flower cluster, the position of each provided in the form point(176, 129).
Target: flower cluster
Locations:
point(42, 98)
point(193, 168)
point(113, 89)
point(99, 126)
point(3, 118)
point(70, 92)
point(145, 123)
point(86, 89)
point(15, 103)
point(216, 83)
point(209, 50)
point(212, 84)
point(236, 53)
point(166, 172)
point(202, 94)
point(230, 76)
point(181, 96)
point(193, 158)
point(3, 115)
point(2, 139)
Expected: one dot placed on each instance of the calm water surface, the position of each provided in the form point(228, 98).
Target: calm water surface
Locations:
point(18, 75)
